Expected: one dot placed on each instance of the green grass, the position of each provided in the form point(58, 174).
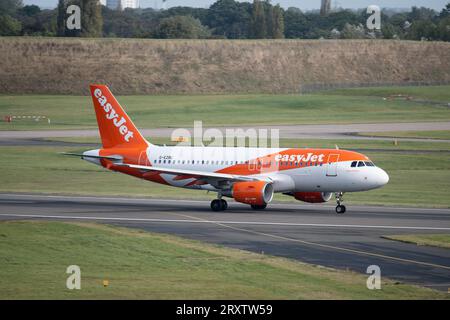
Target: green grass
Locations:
point(75, 112)
point(434, 240)
point(417, 178)
point(430, 93)
point(435, 134)
point(139, 265)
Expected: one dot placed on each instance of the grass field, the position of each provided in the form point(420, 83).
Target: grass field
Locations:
point(433, 240)
point(429, 93)
point(419, 174)
point(140, 265)
point(72, 112)
point(438, 134)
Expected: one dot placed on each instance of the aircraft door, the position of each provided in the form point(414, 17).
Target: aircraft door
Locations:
point(332, 165)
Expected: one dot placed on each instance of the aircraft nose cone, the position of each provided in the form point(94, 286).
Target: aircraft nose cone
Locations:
point(383, 177)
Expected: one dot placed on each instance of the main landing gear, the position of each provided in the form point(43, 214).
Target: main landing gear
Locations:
point(340, 209)
point(219, 205)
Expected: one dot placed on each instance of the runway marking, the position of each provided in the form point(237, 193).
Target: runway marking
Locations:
point(325, 245)
point(226, 222)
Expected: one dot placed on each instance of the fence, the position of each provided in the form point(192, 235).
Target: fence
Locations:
point(11, 118)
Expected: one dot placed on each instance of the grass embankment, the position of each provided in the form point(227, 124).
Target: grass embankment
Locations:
point(433, 240)
point(419, 174)
point(346, 106)
point(140, 265)
point(179, 66)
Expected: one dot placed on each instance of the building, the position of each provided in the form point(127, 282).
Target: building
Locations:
point(325, 7)
point(121, 4)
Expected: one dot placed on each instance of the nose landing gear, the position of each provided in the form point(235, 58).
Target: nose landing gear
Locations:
point(340, 209)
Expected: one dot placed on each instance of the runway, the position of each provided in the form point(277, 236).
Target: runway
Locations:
point(308, 233)
point(304, 131)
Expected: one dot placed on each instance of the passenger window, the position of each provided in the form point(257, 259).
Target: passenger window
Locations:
point(361, 164)
point(354, 164)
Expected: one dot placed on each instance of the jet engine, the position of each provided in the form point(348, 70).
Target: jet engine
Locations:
point(257, 193)
point(313, 197)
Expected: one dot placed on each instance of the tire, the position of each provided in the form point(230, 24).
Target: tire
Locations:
point(224, 204)
point(340, 209)
point(258, 207)
point(216, 205)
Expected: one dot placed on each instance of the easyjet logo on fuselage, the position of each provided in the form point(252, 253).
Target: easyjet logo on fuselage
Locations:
point(300, 157)
point(111, 114)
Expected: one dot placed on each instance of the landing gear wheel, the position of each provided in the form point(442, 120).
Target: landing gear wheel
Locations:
point(340, 209)
point(258, 207)
point(224, 204)
point(218, 205)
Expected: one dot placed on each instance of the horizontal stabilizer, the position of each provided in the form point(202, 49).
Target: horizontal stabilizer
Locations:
point(112, 158)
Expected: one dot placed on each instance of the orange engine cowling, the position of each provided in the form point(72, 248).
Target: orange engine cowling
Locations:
point(313, 197)
point(253, 192)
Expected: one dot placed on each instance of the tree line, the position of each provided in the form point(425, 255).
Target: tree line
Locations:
point(225, 19)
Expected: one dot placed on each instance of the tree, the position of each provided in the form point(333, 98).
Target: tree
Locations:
point(62, 30)
point(30, 11)
point(10, 7)
point(423, 30)
point(352, 32)
point(91, 18)
point(182, 27)
point(445, 12)
point(277, 22)
point(230, 18)
point(259, 28)
point(421, 13)
point(9, 26)
point(295, 23)
point(443, 29)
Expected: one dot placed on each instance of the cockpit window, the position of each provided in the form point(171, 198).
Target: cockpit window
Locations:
point(369, 164)
point(354, 163)
point(361, 164)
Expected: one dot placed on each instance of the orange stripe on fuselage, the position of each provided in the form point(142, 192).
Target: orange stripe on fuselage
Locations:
point(269, 163)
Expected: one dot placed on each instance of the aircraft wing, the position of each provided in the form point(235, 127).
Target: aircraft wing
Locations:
point(194, 174)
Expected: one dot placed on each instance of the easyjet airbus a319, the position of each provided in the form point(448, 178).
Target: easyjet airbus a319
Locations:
point(249, 175)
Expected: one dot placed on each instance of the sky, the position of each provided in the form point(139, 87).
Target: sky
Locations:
point(302, 4)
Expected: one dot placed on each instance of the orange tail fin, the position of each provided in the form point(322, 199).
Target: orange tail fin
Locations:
point(116, 128)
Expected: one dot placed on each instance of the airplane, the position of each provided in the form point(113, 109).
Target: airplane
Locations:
point(248, 175)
